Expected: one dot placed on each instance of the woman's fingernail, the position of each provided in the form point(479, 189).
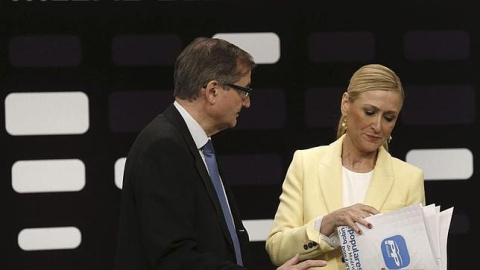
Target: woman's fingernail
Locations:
point(369, 225)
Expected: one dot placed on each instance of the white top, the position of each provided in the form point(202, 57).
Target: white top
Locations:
point(355, 187)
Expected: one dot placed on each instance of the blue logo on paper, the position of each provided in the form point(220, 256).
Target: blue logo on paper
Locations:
point(395, 252)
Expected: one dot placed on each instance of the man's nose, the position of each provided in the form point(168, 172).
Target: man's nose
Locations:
point(246, 102)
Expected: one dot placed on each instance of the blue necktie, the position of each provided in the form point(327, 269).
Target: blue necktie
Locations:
point(210, 159)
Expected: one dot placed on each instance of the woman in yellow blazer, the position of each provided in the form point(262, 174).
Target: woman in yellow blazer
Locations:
point(348, 180)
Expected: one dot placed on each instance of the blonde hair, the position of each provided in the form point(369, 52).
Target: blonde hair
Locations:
point(368, 78)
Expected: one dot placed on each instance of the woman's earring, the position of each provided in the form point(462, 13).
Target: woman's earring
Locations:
point(389, 139)
point(344, 122)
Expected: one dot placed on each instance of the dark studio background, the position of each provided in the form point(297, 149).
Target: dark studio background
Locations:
point(291, 107)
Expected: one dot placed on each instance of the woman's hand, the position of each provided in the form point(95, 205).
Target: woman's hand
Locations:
point(348, 216)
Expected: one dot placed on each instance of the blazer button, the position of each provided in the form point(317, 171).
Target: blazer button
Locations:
point(305, 247)
point(314, 244)
point(310, 245)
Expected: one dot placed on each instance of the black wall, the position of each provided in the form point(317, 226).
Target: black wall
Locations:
point(305, 116)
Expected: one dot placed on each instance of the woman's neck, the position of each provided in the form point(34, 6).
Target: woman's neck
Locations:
point(357, 161)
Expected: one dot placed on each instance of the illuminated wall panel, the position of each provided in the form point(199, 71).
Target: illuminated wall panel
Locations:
point(32, 176)
point(118, 172)
point(443, 164)
point(264, 47)
point(32, 239)
point(259, 229)
point(46, 113)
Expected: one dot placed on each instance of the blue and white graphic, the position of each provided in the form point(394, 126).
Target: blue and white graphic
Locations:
point(401, 239)
point(395, 252)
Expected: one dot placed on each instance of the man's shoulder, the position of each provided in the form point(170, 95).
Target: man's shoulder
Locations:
point(159, 131)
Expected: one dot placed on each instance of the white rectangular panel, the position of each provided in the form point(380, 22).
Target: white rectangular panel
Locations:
point(50, 113)
point(258, 229)
point(49, 238)
point(119, 168)
point(443, 164)
point(264, 47)
point(59, 175)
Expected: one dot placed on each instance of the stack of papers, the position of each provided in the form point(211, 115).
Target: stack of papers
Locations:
point(413, 237)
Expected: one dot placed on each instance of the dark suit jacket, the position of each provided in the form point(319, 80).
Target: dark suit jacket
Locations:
point(170, 216)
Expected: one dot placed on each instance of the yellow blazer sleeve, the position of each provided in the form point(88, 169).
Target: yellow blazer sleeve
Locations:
point(291, 233)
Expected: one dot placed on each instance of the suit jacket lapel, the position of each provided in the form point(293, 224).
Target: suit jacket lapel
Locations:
point(382, 180)
point(176, 118)
point(330, 176)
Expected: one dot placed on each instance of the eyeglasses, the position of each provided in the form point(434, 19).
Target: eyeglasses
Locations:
point(246, 90)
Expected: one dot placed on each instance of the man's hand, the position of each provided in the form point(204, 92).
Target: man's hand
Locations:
point(293, 264)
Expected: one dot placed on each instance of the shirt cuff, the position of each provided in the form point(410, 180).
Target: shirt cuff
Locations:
point(333, 240)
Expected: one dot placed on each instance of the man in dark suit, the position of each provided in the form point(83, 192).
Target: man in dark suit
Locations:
point(171, 216)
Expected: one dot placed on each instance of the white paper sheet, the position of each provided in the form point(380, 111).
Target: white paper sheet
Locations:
point(413, 237)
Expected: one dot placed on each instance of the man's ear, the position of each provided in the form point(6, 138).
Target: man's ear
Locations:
point(211, 89)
